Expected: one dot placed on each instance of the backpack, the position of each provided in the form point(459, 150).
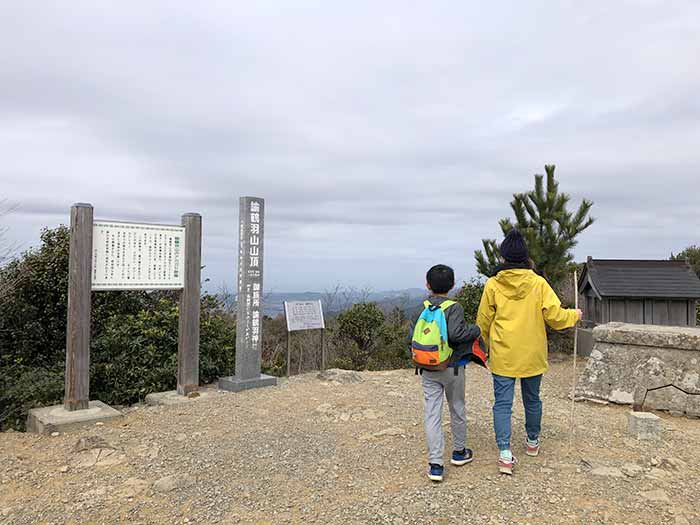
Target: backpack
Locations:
point(429, 347)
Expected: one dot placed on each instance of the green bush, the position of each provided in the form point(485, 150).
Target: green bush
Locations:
point(392, 351)
point(25, 387)
point(361, 324)
point(274, 345)
point(134, 336)
point(135, 355)
point(469, 296)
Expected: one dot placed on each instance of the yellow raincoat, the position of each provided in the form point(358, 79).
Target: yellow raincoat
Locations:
point(514, 308)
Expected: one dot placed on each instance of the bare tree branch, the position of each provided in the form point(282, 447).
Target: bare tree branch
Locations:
point(8, 250)
point(330, 297)
point(227, 298)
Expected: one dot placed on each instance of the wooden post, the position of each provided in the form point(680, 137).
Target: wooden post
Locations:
point(323, 349)
point(77, 389)
point(573, 381)
point(301, 356)
point(188, 336)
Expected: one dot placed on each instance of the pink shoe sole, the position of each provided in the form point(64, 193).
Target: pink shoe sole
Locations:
point(506, 467)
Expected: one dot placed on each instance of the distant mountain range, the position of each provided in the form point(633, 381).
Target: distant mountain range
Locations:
point(407, 299)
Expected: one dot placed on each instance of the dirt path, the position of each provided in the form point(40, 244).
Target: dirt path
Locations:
point(317, 452)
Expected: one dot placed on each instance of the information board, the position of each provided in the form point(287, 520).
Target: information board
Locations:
point(135, 256)
point(304, 315)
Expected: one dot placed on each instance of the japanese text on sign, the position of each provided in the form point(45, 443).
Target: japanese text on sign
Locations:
point(135, 256)
point(304, 315)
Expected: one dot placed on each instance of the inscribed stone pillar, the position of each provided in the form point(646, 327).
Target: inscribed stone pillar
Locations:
point(249, 313)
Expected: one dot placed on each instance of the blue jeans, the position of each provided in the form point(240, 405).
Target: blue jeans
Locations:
point(503, 390)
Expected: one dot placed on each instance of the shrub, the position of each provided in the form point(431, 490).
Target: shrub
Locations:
point(134, 336)
point(392, 351)
point(25, 387)
point(135, 355)
point(362, 324)
point(469, 296)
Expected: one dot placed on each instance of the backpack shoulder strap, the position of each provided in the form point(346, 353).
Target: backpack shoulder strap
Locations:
point(446, 304)
point(426, 304)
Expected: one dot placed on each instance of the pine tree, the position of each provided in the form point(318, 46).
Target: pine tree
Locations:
point(549, 228)
point(690, 254)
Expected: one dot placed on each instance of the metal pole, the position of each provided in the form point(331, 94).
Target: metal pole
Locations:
point(188, 328)
point(301, 356)
point(289, 354)
point(323, 349)
point(77, 380)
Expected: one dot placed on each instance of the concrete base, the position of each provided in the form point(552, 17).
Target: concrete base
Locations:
point(233, 384)
point(644, 425)
point(173, 398)
point(46, 420)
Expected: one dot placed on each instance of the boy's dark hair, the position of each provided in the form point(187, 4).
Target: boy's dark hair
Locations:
point(441, 278)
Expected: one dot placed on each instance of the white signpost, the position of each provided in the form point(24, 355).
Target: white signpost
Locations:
point(135, 256)
point(304, 315)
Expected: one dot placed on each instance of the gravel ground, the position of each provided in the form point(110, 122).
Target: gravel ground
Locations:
point(316, 451)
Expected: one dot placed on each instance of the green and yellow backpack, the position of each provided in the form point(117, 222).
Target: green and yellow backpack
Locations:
point(429, 347)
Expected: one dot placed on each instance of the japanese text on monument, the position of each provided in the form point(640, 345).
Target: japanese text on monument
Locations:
point(250, 261)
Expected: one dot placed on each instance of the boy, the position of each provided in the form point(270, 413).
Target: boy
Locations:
point(449, 381)
point(515, 305)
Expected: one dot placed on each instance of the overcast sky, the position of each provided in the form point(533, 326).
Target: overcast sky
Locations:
point(384, 136)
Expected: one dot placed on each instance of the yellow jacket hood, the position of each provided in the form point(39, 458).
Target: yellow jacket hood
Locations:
point(515, 284)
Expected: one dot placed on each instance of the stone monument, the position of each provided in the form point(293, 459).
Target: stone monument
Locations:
point(249, 300)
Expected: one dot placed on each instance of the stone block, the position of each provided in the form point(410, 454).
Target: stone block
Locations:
point(668, 398)
point(678, 337)
point(234, 384)
point(584, 344)
point(173, 398)
point(692, 408)
point(657, 366)
point(644, 425)
point(46, 420)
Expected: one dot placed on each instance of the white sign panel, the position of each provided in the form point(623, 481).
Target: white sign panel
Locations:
point(135, 256)
point(303, 315)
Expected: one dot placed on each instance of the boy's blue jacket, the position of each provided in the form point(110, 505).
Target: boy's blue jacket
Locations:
point(460, 335)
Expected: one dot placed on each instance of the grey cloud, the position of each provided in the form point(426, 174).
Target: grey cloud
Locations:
point(366, 127)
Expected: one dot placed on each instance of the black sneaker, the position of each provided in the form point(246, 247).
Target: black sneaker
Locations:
point(462, 457)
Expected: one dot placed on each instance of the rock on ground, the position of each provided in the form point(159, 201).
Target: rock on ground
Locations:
point(340, 376)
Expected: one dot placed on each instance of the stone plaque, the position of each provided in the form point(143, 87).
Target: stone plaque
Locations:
point(135, 256)
point(250, 286)
point(304, 315)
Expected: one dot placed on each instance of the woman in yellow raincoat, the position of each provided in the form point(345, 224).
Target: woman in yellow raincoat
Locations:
point(514, 308)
